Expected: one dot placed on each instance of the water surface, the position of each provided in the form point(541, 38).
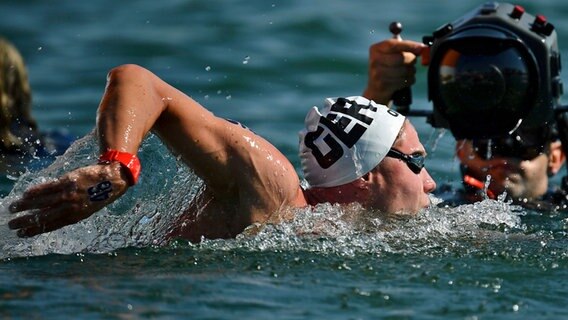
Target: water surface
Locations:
point(263, 64)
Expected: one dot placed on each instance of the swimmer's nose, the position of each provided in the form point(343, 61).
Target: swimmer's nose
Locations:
point(427, 182)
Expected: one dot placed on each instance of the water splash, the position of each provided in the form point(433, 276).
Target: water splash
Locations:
point(140, 218)
point(435, 138)
point(146, 213)
point(348, 231)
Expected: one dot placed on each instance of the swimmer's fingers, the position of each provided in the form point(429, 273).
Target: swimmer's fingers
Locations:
point(45, 220)
point(43, 195)
point(72, 198)
point(88, 184)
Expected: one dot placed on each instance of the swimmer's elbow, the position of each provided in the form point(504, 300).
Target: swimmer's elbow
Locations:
point(131, 80)
point(131, 86)
point(128, 71)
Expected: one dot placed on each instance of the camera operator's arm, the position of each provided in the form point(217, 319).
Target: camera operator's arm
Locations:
point(391, 67)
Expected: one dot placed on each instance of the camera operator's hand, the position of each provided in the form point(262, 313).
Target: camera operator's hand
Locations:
point(71, 198)
point(391, 67)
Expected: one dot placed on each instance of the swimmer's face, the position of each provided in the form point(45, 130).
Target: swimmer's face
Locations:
point(521, 179)
point(395, 187)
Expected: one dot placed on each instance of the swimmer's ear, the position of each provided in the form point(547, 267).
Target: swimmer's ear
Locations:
point(365, 180)
point(556, 158)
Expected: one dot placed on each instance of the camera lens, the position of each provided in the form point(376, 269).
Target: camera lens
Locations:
point(473, 82)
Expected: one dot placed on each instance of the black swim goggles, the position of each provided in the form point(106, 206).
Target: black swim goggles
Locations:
point(415, 162)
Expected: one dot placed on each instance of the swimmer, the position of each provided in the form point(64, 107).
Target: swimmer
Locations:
point(22, 145)
point(352, 150)
point(518, 166)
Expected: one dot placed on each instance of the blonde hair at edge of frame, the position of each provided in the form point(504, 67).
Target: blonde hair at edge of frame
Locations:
point(15, 95)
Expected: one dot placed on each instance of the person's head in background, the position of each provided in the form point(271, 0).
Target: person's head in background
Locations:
point(519, 165)
point(15, 98)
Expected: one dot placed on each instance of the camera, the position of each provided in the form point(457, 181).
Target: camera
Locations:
point(492, 71)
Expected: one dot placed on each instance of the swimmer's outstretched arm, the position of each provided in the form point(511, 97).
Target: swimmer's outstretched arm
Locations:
point(135, 102)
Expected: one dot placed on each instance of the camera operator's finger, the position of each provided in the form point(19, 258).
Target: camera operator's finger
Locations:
point(397, 46)
point(389, 74)
point(395, 60)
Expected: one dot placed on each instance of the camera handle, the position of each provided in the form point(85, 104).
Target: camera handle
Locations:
point(401, 98)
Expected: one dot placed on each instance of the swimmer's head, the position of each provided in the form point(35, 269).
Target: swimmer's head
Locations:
point(346, 139)
point(15, 97)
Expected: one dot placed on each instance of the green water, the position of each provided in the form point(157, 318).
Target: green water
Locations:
point(263, 63)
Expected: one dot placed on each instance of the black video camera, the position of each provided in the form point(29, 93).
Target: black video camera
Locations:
point(493, 70)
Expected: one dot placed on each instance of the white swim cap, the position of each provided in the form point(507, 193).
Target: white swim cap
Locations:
point(349, 138)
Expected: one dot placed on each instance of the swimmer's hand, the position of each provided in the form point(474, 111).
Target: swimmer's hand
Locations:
point(69, 199)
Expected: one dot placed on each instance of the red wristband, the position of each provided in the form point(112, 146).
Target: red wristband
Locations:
point(128, 160)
